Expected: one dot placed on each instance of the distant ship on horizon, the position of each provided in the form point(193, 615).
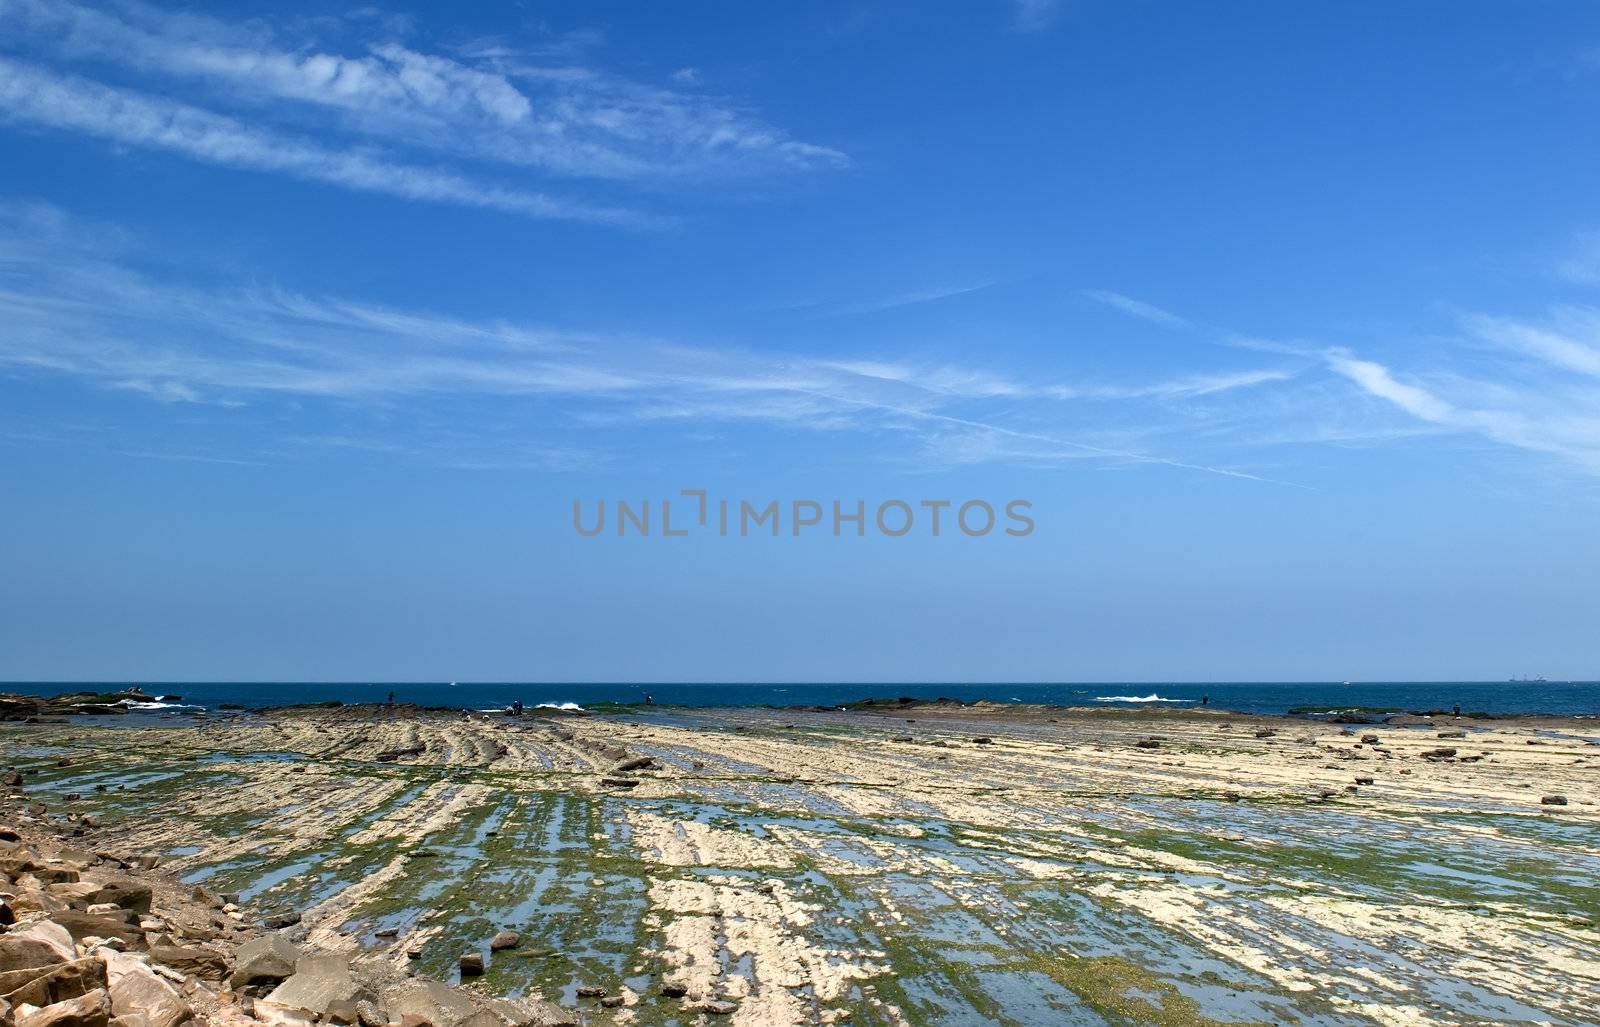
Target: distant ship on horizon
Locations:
point(1528, 681)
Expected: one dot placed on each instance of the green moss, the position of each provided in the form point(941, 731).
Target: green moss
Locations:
point(1125, 992)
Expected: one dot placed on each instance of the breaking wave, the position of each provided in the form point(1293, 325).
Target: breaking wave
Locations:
point(1152, 697)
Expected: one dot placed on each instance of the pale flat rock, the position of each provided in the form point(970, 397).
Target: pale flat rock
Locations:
point(135, 988)
point(439, 1004)
point(39, 944)
point(268, 959)
point(90, 1010)
point(319, 982)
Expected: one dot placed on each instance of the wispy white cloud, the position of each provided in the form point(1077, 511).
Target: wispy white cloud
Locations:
point(879, 303)
point(972, 383)
point(1376, 379)
point(1137, 308)
point(76, 308)
point(35, 95)
point(1569, 338)
point(903, 299)
point(1522, 382)
point(1563, 423)
point(493, 103)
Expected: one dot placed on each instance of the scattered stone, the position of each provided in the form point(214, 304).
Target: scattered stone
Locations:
point(674, 989)
point(471, 964)
point(191, 959)
point(591, 991)
point(1370, 740)
point(504, 940)
point(1553, 800)
point(90, 1010)
point(135, 989)
point(268, 959)
point(125, 893)
point(1364, 780)
point(318, 982)
point(280, 920)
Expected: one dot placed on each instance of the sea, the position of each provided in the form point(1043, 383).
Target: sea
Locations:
point(1563, 698)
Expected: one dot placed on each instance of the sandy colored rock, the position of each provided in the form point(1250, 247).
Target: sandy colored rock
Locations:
point(136, 989)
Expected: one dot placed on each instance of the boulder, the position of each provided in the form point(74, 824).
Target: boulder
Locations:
point(528, 1012)
point(135, 989)
point(44, 985)
point(471, 964)
point(504, 940)
point(428, 1002)
point(1554, 800)
point(318, 982)
point(275, 920)
point(90, 1010)
point(99, 925)
point(191, 959)
point(74, 891)
point(276, 1014)
point(40, 944)
point(269, 959)
point(126, 893)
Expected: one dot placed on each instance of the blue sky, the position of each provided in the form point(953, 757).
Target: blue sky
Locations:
point(315, 322)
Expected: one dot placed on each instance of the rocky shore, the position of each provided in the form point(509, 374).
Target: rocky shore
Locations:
point(96, 938)
point(895, 864)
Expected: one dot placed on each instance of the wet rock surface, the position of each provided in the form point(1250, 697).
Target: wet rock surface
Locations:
point(117, 951)
point(1001, 865)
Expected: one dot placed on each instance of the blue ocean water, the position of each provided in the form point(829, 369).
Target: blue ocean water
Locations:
point(1500, 697)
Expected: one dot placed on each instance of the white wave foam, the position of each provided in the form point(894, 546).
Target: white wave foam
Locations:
point(134, 704)
point(1152, 697)
point(558, 706)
